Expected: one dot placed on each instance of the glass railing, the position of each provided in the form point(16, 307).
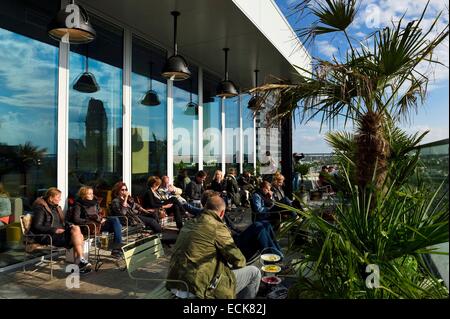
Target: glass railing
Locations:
point(434, 161)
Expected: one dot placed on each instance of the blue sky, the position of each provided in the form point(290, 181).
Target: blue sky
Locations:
point(433, 115)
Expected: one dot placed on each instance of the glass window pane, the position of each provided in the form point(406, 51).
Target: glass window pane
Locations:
point(149, 122)
point(28, 113)
point(232, 133)
point(185, 124)
point(248, 134)
point(95, 119)
point(212, 119)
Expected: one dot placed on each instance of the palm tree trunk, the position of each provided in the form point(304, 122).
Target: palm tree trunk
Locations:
point(372, 151)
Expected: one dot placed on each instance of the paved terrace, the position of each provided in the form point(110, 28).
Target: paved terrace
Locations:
point(111, 281)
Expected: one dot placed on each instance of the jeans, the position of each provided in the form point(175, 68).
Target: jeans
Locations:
point(257, 237)
point(113, 225)
point(151, 222)
point(295, 182)
point(247, 282)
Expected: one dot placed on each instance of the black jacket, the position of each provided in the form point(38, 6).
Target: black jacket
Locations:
point(151, 201)
point(46, 218)
point(218, 187)
point(83, 213)
point(194, 191)
point(232, 188)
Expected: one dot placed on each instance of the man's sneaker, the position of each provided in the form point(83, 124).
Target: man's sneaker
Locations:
point(84, 266)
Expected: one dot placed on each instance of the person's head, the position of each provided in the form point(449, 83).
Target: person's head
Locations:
point(330, 169)
point(200, 177)
point(86, 193)
point(267, 153)
point(246, 174)
point(232, 171)
point(119, 189)
point(278, 179)
point(265, 187)
point(165, 181)
point(153, 182)
point(206, 195)
point(217, 204)
point(218, 175)
point(324, 168)
point(53, 196)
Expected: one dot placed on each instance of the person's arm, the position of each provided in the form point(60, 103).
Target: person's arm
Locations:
point(38, 222)
point(259, 204)
point(77, 216)
point(189, 191)
point(228, 249)
point(117, 208)
point(150, 201)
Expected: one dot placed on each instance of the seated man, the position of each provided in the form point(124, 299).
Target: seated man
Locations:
point(263, 205)
point(49, 219)
point(195, 189)
point(257, 237)
point(206, 257)
point(232, 187)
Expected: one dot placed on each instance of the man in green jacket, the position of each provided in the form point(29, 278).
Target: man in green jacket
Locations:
point(207, 258)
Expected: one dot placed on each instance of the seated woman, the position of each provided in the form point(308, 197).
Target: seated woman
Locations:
point(280, 197)
point(48, 219)
point(87, 212)
point(124, 205)
point(154, 200)
point(218, 182)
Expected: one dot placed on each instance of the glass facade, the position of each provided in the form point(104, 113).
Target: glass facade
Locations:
point(149, 122)
point(212, 126)
point(29, 116)
point(185, 124)
point(248, 134)
point(28, 112)
point(95, 119)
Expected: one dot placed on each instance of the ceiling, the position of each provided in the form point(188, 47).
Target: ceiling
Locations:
point(204, 28)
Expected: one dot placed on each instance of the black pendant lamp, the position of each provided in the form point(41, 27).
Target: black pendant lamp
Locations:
point(86, 83)
point(72, 24)
point(256, 99)
point(151, 97)
point(226, 88)
point(191, 107)
point(176, 68)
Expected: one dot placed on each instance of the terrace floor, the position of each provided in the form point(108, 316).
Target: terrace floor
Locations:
point(111, 281)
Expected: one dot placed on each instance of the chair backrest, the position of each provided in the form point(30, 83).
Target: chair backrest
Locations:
point(25, 223)
point(141, 252)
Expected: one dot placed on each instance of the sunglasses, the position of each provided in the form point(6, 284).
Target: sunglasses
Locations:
point(124, 189)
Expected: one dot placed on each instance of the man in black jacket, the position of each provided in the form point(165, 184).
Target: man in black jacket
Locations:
point(195, 189)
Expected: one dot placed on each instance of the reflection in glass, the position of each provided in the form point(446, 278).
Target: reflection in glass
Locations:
point(248, 134)
point(212, 141)
point(149, 123)
point(185, 125)
point(28, 112)
point(232, 133)
point(95, 119)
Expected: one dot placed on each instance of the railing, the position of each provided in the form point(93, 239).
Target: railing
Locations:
point(434, 160)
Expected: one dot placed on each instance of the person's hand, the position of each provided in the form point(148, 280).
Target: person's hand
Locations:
point(167, 206)
point(103, 221)
point(171, 188)
point(270, 194)
point(59, 230)
point(126, 194)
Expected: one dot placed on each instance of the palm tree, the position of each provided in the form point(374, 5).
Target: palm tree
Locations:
point(377, 80)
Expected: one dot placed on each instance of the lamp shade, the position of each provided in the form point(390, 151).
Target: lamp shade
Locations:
point(151, 99)
point(191, 109)
point(72, 21)
point(176, 69)
point(226, 88)
point(86, 83)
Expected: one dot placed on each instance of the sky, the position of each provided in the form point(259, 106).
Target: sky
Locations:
point(433, 115)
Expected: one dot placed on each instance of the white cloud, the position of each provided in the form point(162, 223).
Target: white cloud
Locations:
point(326, 48)
point(436, 133)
